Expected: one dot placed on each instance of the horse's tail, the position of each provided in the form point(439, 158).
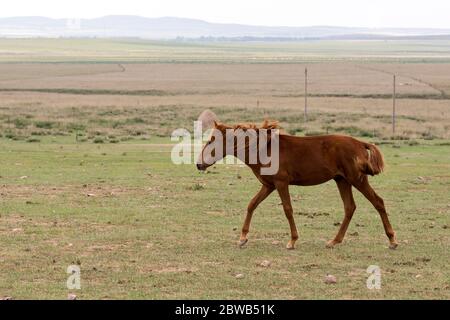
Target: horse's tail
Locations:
point(375, 164)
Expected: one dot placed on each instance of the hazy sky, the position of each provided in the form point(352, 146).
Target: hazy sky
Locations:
point(374, 13)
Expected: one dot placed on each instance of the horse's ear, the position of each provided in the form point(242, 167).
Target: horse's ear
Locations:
point(219, 126)
point(208, 119)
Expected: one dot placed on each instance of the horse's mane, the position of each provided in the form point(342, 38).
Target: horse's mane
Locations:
point(266, 124)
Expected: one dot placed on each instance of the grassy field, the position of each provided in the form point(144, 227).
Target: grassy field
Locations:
point(141, 227)
point(86, 176)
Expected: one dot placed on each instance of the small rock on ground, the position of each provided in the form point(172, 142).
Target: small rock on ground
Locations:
point(265, 263)
point(72, 296)
point(330, 279)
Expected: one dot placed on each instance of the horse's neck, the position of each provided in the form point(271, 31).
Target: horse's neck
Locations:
point(247, 162)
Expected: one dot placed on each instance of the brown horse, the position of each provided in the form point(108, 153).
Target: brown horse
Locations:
point(308, 161)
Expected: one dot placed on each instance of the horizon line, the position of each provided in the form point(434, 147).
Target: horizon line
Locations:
point(228, 23)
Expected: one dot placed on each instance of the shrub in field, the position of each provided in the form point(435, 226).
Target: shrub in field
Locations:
point(197, 187)
point(33, 139)
point(41, 133)
point(98, 140)
point(45, 124)
point(9, 135)
point(428, 136)
point(138, 133)
point(116, 124)
point(73, 126)
point(135, 120)
point(21, 123)
point(162, 134)
point(399, 137)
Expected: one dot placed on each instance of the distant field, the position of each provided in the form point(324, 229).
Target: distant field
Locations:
point(118, 99)
point(136, 50)
point(86, 176)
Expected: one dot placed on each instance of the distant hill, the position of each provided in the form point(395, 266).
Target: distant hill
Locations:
point(171, 28)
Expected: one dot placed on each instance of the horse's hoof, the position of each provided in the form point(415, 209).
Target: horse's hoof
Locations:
point(242, 243)
point(393, 246)
point(330, 244)
point(290, 245)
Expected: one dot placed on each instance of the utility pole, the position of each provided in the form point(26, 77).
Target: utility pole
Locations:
point(306, 94)
point(393, 106)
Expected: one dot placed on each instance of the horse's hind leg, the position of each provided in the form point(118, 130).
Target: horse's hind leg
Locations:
point(365, 188)
point(257, 199)
point(283, 191)
point(345, 190)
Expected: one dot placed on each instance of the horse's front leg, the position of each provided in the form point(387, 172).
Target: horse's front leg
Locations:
point(257, 199)
point(283, 191)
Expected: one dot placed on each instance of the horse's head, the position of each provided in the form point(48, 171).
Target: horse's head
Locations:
point(214, 149)
point(247, 142)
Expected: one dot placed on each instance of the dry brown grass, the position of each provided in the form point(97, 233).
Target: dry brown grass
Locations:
point(346, 97)
point(257, 79)
point(436, 75)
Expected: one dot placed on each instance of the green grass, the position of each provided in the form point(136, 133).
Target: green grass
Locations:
point(160, 93)
point(141, 227)
point(135, 50)
point(113, 123)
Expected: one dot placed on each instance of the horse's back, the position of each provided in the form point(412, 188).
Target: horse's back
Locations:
point(316, 159)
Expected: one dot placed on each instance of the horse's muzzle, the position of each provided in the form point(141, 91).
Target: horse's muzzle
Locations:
point(201, 167)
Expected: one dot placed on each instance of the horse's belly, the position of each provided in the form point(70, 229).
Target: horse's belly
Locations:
point(312, 178)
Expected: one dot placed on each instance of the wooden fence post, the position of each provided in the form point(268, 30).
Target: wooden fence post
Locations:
point(393, 106)
point(306, 94)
